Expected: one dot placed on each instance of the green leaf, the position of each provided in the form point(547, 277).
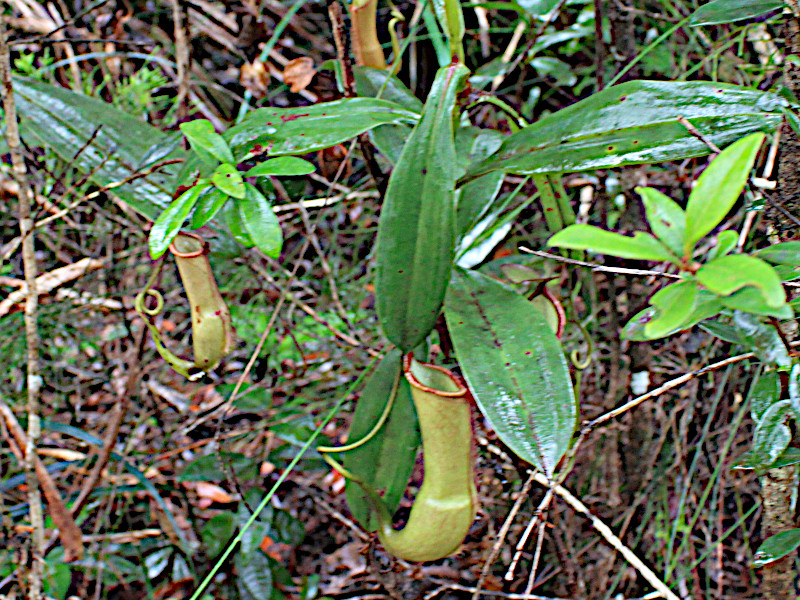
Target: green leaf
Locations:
point(235, 221)
point(227, 179)
point(416, 234)
point(751, 300)
point(785, 253)
point(788, 272)
point(373, 83)
point(254, 575)
point(718, 12)
point(287, 166)
point(216, 533)
point(642, 246)
point(169, 222)
point(760, 338)
point(706, 305)
point(790, 456)
point(765, 392)
point(724, 331)
point(279, 131)
point(674, 304)
point(385, 461)
point(719, 187)
point(476, 198)
point(727, 274)
point(632, 123)
point(726, 242)
point(208, 205)
point(260, 222)
point(772, 435)
point(666, 218)
point(794, 389)
point(201, 135)
point(514, 366)
point(99, 140)
point(776, 547)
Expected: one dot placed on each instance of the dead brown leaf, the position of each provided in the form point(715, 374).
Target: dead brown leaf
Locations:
point(298, 73)
point(255, 78)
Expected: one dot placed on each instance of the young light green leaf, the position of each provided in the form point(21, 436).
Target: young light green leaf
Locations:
point(785, 253)
point(674, 304)
point(169, 222)
point(201, 134)
point(726, 242)
point(642, 246)
point(229, 180)
point(208, 205)
point(730, 273)
point(776, 547)
point(706, 305)
point(719, 187)
point(260, 222)
point(666, 218)
point(287, 166)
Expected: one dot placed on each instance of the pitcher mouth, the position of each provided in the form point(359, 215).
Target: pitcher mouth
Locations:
point(411, 378)
point(188, 253)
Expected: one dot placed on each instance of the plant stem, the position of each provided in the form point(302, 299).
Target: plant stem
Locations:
point(34, 379)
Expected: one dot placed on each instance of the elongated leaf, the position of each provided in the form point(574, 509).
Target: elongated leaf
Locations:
point(776, 547)
point(642, 246)
point(260, 222)
point(785, 253)
point(476, 197)
point(665, 217)
point(283, 165)
point(278, 131)
point(719, 187)
point(201, 134)
point(730, 273)
point(387, 459)
point(227, 179)
point(416, 235)
point(514, 366)
point(171, 220)
point(718, 12)
point(635, 122)
point(379, 83)
point(99, 139)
